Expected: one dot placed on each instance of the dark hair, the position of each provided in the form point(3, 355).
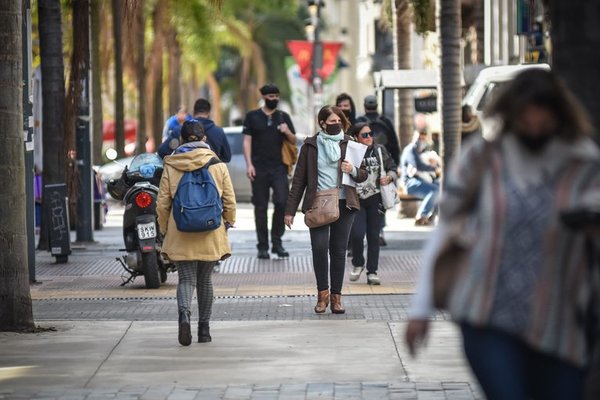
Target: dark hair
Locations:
point(192, 131)
point(269, 88)
point(343, 97)
point(201, 106)
point(356, 128)
point(327, 110)
point(538, 87)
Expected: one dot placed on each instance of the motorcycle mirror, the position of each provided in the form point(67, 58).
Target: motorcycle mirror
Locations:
point(111, 154)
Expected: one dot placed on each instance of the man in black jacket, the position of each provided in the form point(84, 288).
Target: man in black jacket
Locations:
point(214, 133)
point(382, 127)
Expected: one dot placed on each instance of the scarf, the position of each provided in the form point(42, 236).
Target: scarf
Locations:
point(331, 145)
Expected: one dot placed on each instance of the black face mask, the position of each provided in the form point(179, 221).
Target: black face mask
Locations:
point(333, 129)
point(271, 104)
point(534, 144)
point(348, 114)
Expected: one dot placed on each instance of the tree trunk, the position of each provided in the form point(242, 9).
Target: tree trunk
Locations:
point(15, 298)
point(575, 43)
point(450, 91)
point(140, 141)
point(53, 101)
point(154, 74)
point(96, 5)
point(80, 50)
point(215, 99)
point(119, 106)
point(174, 70)
point(403, 44)
point(158, 119)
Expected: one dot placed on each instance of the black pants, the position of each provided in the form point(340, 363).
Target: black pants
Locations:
point(264, 181)
point(367, 221)
point(329, 244)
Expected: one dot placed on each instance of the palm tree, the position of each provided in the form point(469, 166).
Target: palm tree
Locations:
point(575, 39)
point(15, 305)
point(403, 18)
point(53, 99)
point(450, 90)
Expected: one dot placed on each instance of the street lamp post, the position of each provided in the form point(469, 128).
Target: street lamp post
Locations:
point(314, 9)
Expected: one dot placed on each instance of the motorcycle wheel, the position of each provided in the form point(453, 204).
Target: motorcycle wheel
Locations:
point(150, 268)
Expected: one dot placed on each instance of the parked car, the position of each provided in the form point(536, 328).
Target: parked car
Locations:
point(487, 82)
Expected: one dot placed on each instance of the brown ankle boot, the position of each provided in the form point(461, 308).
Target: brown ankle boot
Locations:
point(322, 301)
point(336, 304)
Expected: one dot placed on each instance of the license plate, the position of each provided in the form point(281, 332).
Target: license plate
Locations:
point(146, 231)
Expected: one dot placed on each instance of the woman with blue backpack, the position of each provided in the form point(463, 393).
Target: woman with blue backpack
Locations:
point(196, 206)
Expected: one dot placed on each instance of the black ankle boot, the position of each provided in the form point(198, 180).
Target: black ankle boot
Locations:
point(185, 331)
point(204, 332)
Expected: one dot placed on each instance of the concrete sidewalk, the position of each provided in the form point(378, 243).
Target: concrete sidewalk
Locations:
point(313, 357)
point(88, 358)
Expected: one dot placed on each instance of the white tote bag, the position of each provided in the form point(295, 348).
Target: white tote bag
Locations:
point(389, 193)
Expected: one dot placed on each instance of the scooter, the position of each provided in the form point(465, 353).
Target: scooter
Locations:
point(138, 188)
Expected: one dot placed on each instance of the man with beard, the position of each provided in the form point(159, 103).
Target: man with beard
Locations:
point(265, 131)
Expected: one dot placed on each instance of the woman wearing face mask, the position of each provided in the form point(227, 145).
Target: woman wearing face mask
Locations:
point(369, 217)
point(320, 167)
point(345, 103)
point(524, 298)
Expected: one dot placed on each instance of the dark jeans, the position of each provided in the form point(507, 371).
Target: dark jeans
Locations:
point(507, 368)
point(367, 221)
point(329, 250)
point(264, 181)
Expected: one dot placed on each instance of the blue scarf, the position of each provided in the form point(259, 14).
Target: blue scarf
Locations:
point(331, 145)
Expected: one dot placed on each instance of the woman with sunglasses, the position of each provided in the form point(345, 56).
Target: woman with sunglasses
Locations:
point(369, 217)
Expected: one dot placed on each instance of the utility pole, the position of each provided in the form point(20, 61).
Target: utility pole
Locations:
point(28, 138)
point(314, 9)
point(85, 223)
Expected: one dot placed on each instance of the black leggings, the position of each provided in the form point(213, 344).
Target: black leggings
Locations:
point(329, 244)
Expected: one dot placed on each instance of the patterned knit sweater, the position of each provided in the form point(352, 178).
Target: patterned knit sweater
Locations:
point(554, 311)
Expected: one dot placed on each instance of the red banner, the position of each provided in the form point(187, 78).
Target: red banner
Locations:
point(302, 50)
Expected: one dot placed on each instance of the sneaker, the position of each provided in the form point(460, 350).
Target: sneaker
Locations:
point(373, 279)
point(280, 251)
point(355, 274)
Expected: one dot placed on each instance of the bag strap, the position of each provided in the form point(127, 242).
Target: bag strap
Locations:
point(381, 167)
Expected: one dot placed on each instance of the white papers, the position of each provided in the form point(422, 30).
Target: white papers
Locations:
point(354, 155)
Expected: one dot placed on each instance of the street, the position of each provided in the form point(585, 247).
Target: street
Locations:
point(112, 341)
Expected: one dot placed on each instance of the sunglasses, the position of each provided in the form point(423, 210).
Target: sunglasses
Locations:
point(366, 135)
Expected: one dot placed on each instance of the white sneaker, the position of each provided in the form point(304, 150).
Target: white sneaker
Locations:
point(355, 274)
point(373, 279)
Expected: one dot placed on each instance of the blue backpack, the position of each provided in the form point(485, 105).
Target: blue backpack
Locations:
point(197, 206)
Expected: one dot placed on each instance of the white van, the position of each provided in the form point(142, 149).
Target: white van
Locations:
point(488, 80)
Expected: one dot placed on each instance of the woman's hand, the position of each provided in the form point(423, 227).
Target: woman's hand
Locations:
point(347, 167)
point(288, 220)
point(416, 334)
point(385, 180)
